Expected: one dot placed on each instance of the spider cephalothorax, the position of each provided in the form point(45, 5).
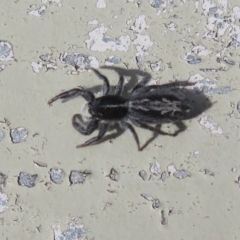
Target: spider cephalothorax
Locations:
point(155, 104)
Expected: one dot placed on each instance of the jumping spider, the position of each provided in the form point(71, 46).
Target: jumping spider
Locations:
point(156, 104)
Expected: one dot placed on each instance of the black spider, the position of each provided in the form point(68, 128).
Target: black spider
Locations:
point(156, 104)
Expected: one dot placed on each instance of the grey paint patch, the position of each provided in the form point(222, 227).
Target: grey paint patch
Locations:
point(157, 3)
point(112, 60)
point(3, 179)
point(143, 175)
point(3, 202)
point(18, 134)
point(2, 67)
point(27, 180)
point(98, 41)
point(79, 61)
point(39, 12)
point(207, 86)
point(56, 175)
point(211, 125)
point(78, 176)
point(238, 106)
point(155, 168)
point(6, 51)
point(113, 175)
point(191, 59)
point(2, 135)
point(155, 201)
point(74, 232)
point(181, 174)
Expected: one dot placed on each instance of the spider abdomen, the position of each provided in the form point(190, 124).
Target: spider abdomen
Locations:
point(110, 107)
point(158, 109)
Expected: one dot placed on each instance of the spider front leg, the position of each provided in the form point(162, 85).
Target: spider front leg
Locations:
point(119, 88)
point(90, 128)
point(141, 84)
point(88, 96)
point(102, 131)
point(106, 86)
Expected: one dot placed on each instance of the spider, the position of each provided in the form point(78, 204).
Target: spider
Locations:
point(155, 104)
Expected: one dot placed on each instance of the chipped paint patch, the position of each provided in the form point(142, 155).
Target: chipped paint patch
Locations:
point(27, 180)
point(171, 26)
point(101, 4)
point(2, 135)
point(143, 175)
point(78, 176)
point(6, 52)
point(155, 168)
point(171, 169)
point(140, 24)
point(156, 66)
point(74, 232)
point(112, 60)
point(3, 179)
point(58, 2)
point(18, 134)
point(191, 58)
point(93, 22)
point(36, 66)
point(39, 12)
point(56, 175)
point(181, 174)
point(157, 3)
point(2, 67)
point(79, 61)
point(3, 202)
point(142, 42)
point(211, 125)
point(206, 86)
point(98, 41)
point(200, 50)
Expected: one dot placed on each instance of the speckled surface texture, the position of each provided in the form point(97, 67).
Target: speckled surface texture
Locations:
point(184, 187)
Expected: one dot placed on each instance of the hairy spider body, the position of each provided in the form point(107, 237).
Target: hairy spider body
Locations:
point(111, 107)
point(157, 104)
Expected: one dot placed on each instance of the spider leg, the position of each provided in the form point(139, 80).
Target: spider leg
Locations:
point(92, 125)
point(102, 131)
point(160, 88)
point(88, 96)
point(118, 89)
point(150, 128)
point(128, 126)
point(181, 127)
point(141, 84)
point(106, 86)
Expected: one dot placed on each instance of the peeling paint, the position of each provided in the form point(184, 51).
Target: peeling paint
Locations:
point(142, 42)
point(2, 67)
point(155, 168)
point(211, 125)
point(112, 60)
point(39, 12)
point(98, 41)
point(140, 24)
point(101, 4)
point(6, 51)
point(3, 202)
point(74, 232)
point(79, 61)
point(36, 66)
point(206, 86)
